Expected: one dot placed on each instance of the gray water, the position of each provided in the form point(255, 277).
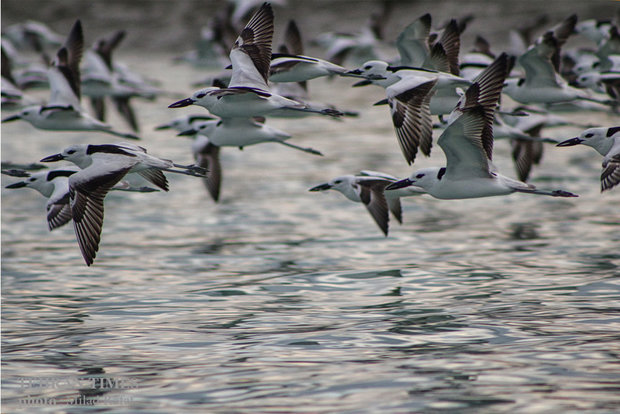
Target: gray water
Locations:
point(281, 300)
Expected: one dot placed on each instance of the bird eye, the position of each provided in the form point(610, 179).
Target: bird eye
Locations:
point(200, 95)
point(590, 135)
point(367, 67)
point(337, 181)
point(419, 176)
point(32, 179)
point(71, 152)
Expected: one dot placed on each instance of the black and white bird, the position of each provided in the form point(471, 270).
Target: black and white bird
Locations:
point(248, 93)
point(468, 145)
point(606, 141)
point(367, 187)
point(63, 112)
point(366, 190)
point(54, 185)
point(102, 167)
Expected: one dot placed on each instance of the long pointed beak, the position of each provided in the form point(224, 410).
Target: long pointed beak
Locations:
point(182, 103)
point(321, 187)
point(52, 158)
point(570, 142)
point(399, 184)
point(364, 82)
point(375, 77)
point(18, 184)
point(355, 73)
point(162, 126)
point(11, 118)
point(381, 102)
point(187, 132)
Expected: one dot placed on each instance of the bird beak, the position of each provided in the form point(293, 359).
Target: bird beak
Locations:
point(381, 102)
point(364, 82)
point(375, 77)
point(355, 73)
point(18, 184)
point(321, 187)
point(182, 103)
point(162, 126)
point(52, 158)
point(11, 118)
point(399, 184)
point(570, 142)
point(187, 132)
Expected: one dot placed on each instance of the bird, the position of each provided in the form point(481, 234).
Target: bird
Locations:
point(468, 145)
point(542, 83)
point(101, 80)
point(63, 112)
point(242, 132)
point(290, 64)
point(606, 141)
point(298, 91)
point(381, 73)
point(367, 188)
point(286, 67)
point(248, 93)
point(103, 166)
point(54, 184)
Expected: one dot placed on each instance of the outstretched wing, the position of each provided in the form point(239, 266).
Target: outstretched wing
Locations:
point(411, 116)
point(58, 214)
point(64, 73)
point(209, 159)
point(463, 142)
point(371, 194)
point(251, 53)
point(86, 193)
point(539, 70)
point(611, 173)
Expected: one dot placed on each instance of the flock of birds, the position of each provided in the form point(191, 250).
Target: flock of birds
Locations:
point(427, 80)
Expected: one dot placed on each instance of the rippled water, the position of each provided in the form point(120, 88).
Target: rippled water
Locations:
point(281, 300)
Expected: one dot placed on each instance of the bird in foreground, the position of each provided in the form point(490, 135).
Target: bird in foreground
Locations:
point(368, 188)
point(54, 184)
point(63, 112)
point(248, 93)
point(102, 167)
point(606, 141)
point(468, 145)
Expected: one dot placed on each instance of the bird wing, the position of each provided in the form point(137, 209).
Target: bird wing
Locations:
point(371, 194)
point(610, 176)
point(106, 46)
point(411, 116)
point(64, 73)
point(451, 42)
point(412, 42)
point(463, 142)
point(209, 159)
point(251, 53)
point(87, 189)
point(539, 70)
point(58, 214)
